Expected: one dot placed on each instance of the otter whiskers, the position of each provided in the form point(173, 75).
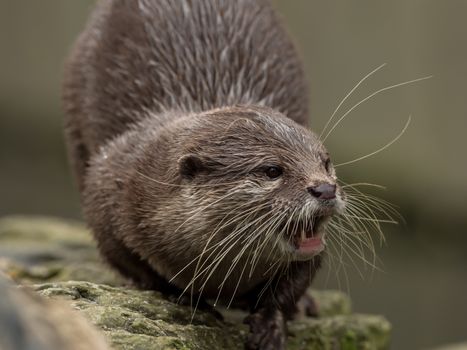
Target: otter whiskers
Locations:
point(404, 129)
point(233, 239)
point(369, 97)
point(263, 235)
point(348, 95)
point(247, 241)
point(281, 269)
point(217, 250)
point(363, 213)
point(350, 233)
point(242, 215)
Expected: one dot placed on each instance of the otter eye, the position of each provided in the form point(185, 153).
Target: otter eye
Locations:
point(273, 172)
point(327, 165)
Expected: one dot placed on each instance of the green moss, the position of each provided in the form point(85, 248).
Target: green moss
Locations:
point(349, 341)
point(332, 302)
point(344, 332)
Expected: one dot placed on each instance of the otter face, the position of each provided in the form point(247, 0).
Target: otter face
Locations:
point(273, 180)
point(309, 196)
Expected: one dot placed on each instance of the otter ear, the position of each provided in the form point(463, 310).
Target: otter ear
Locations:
point(190, 165)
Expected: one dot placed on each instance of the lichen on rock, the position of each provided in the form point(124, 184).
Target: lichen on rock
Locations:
point(58, 260)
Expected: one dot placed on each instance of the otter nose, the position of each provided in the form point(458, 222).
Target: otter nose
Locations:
point(323, 191)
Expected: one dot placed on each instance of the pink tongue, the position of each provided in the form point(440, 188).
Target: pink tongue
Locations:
point(310, 245)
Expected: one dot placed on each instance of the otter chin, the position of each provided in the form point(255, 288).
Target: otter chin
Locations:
point(306, 239)
point(187, 130)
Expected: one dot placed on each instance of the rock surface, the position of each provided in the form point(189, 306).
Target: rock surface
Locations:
point(58, 260)
point(30, 322)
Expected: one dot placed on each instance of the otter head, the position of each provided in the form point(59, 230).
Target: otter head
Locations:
point(262, 183)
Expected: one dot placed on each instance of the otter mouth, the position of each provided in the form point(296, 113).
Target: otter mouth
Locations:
point(307, 237)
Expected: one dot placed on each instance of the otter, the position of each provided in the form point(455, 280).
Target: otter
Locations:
point(187, 130)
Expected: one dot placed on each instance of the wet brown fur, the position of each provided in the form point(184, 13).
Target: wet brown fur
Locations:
point(166, 101)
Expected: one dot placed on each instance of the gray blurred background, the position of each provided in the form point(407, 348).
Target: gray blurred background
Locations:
point(423, 283)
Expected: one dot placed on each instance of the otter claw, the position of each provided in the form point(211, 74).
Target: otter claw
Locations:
point(267, 331)
point(308, 306)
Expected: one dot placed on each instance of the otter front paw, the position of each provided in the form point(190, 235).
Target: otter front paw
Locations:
point(307, 306)
point(267, 330)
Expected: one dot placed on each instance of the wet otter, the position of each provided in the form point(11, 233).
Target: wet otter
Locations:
point(186, 127)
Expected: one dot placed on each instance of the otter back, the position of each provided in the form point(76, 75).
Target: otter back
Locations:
point(140, 57)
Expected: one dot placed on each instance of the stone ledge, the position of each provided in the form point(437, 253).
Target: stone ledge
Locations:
point(48, 254)
point(135, 319)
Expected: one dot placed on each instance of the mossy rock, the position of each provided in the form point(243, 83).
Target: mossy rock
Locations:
point(58, 259)
point(134, 319)
point(38, 249)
